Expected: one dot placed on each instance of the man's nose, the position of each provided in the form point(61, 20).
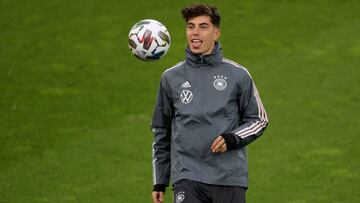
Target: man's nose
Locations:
point(196, 31)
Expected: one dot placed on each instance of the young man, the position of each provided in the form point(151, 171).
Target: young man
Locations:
point(208, 109)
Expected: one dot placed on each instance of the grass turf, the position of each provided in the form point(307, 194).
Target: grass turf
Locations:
point(76, 106)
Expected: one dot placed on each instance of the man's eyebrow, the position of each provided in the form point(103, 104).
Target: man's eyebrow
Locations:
point(204, 23)
point(199, 24)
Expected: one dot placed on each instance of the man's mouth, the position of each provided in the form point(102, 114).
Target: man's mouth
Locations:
point(196, 43)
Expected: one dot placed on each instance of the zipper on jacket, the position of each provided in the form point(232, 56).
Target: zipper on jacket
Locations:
point(202, 70)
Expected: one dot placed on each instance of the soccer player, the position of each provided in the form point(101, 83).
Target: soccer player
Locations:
point(208, 109)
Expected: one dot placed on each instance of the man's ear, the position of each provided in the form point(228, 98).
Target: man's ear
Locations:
point(217, 34)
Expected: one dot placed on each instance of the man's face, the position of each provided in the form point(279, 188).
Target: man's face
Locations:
point(201, 35)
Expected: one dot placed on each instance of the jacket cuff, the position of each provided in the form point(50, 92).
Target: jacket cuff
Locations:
point(231, 140)
point(159, 188)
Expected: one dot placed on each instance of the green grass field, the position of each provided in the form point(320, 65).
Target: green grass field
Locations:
point(75, 105)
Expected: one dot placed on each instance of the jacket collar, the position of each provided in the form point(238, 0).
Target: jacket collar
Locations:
point(207, 60)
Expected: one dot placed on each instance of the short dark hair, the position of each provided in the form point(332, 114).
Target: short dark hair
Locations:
point(195, 10)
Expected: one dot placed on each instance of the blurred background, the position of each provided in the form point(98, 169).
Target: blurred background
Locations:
point(76, 106)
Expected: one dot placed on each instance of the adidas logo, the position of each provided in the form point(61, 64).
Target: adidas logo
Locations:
point(186, 84)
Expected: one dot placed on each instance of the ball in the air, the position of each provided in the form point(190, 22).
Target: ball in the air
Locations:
point(149, 40)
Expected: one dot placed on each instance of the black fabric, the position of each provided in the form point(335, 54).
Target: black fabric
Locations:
point(230, 140)
point(188, 191)
point(159, 188)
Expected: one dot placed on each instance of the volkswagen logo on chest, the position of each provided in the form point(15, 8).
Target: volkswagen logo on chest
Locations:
point(186, 96)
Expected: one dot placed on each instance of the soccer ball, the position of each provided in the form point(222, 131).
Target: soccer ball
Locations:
point(149, 40)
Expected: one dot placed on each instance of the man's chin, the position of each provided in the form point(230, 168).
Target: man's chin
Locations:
point(196, 51)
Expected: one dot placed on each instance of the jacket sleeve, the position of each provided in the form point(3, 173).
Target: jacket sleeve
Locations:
point(253, 117)
point(161, 127)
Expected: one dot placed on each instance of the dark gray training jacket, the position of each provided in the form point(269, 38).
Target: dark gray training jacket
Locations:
point(198, 100)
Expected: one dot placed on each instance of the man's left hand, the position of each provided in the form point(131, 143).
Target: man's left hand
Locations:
point(219, 145)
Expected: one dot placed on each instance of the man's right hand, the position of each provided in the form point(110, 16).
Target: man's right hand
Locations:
point(158, 197)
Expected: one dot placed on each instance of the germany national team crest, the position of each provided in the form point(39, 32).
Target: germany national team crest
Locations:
point(220, 82)
point(180, 196)
point(186, 96)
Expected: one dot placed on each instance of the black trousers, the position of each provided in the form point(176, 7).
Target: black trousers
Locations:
point(188, 191)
